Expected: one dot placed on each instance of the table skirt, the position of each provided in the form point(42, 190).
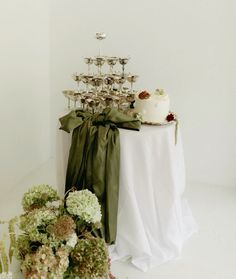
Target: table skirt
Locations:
point(154, 219)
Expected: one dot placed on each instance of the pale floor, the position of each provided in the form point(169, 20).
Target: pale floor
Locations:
point(209, 254)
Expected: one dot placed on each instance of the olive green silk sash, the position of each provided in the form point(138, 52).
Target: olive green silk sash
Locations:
point(94, 159)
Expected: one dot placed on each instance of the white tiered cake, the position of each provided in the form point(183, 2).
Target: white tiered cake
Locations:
point(153, 108)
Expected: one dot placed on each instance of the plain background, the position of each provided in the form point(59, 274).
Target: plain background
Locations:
point(186, 47)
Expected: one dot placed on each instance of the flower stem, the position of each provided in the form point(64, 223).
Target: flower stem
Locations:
point(3, 256)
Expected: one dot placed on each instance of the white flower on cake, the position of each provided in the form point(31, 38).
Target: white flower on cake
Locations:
point(153, 107)
point(160, 92)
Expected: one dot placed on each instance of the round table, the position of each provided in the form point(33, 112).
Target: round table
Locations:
point(154, 219)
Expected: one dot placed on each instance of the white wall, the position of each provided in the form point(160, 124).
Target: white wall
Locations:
point(186, 47)
point(24, 89)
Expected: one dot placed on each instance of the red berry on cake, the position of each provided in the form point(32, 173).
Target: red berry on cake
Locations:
point(170, 117)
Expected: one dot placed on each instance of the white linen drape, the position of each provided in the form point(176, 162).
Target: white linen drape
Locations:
point(154, 219)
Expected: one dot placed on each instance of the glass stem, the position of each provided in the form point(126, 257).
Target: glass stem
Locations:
point(100, 47)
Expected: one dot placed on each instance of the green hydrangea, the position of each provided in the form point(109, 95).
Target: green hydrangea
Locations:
point(38, 196)
point(90, 258)
point(85, 205)
point(35, 223)
point(22, 246)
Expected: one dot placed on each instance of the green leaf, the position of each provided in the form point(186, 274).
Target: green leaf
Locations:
point(4, 256)
point(68, 274)
point(80, 225)
point(0, 264)
point(11, 229)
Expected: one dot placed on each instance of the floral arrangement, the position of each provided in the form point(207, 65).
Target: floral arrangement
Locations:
point(58, 239)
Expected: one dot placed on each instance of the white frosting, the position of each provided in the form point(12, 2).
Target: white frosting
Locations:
point(155, 108)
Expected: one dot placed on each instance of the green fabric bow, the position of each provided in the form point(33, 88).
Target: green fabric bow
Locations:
point(94, 159)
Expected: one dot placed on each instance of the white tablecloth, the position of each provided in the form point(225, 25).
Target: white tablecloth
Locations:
point(154, 219)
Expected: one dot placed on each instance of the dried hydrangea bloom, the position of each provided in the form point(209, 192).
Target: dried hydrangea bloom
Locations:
point(63, 228)
point(38, 196)
point(35, 223)
point(62, 256)
point(85, 205)
point(37, 265)
point(45, 264)
point(22, 246)
point(90, 258)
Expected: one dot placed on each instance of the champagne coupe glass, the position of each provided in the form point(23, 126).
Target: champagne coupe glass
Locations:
point(96, 82)
point(120, 80)
point(123, 62)
point(89, 62)
point(91, 104)
point(83, 101)
point(96, 104)
point(75, 97)
point(86, 79)
point(131, 99)
point(102, 102)
point(132, 79)
point(77, 77)
point(111, 61)
point(125, 90)
point(109, 81)
point(117, 101)
point(67, 94)
point(103, 92)
point(100, 36)
point(115, 76)
point(123, 102)
point(108, 101)
point(99, 61)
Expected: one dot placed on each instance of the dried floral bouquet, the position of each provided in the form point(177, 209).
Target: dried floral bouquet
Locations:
point(57, 239)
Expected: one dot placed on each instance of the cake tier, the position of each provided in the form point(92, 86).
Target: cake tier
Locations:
point(154, 109)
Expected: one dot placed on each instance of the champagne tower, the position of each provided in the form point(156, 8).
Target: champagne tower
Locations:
point(105, 84)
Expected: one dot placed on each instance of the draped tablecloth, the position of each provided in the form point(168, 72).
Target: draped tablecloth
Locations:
point(154, 219)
